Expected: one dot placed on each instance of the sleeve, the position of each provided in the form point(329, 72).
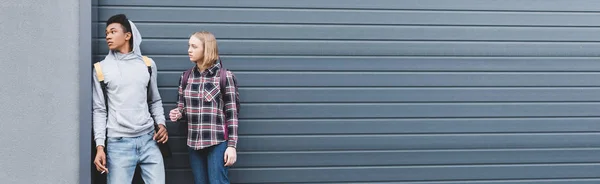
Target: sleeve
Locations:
point(156, 105)
point(231, 111)
point(180, 99)
point(98, 111)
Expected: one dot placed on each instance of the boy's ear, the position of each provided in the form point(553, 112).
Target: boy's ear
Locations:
point(128, 36)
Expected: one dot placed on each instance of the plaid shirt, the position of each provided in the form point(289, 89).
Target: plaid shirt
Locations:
point(204, 109)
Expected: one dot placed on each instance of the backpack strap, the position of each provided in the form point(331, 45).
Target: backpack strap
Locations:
point(186, 76)
point(100, 77)
point(222, 77)
point(99, 73)
point(222, 83)
point(148, 64)
point(148, 91)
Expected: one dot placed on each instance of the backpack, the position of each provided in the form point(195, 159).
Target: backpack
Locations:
point(164, 148)
point(222, 82)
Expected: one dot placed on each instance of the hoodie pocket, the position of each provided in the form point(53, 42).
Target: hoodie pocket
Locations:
point(132, 119)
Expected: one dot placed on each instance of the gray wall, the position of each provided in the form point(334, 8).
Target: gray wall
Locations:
point(384, 91)
point(41, 69)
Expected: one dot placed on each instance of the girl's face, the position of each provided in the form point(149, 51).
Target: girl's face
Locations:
point(195, 49)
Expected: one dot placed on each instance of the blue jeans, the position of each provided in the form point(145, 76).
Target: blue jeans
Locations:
point(125, 153)
point(208, 165)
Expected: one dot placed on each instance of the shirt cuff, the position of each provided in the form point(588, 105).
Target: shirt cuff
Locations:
point(100, 142)
point(231, 143)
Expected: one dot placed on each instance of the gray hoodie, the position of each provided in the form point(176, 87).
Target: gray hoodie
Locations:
point(127, 77)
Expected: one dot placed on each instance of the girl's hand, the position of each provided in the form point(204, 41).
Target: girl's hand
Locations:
point(174, 114)
point(230, 156)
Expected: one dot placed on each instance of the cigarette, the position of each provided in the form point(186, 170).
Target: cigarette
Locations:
point(102, 172)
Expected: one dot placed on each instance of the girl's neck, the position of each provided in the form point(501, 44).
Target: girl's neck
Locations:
point(200, 67)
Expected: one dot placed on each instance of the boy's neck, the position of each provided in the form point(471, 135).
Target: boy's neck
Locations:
point(125, 49)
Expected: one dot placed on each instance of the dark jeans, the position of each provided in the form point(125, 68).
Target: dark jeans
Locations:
point(208, 165)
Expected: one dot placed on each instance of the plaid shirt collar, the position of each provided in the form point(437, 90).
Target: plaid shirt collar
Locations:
point(212, 70)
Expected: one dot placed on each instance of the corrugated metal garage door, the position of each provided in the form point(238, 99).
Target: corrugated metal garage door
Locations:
point(383, 91)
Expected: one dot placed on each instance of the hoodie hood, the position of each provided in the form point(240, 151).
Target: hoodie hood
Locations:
point(137, 52)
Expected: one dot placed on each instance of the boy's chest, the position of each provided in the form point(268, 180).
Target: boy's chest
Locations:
point(126, 76)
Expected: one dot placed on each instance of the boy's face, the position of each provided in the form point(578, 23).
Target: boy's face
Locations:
point(116, 37)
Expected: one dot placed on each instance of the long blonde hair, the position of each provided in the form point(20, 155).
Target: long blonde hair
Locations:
point(211, 51)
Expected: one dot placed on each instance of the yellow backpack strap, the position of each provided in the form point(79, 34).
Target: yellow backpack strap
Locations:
point(148, 64)
point(100, 77)
point(99, 73)
point(147, 61)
